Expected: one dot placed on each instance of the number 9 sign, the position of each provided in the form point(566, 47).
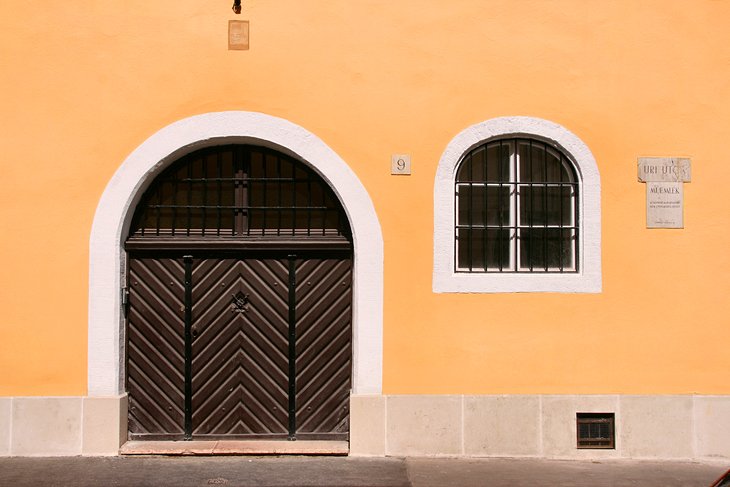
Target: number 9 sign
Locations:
point(400, 164)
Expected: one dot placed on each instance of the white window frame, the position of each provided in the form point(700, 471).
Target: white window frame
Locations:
point(588, 278)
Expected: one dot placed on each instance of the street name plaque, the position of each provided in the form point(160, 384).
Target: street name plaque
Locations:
point(664, 169)
point(664, 178)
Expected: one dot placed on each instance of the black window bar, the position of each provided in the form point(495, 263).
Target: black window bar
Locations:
point(239, 191)
point(516, 209)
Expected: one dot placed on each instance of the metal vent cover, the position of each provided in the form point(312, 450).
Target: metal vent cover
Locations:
point(595, 430)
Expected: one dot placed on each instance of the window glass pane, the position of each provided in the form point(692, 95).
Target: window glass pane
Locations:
point(256, 221)
point(479, 165)
point(472, 206)
point(226, 222)
point(300, 173)
point(270, 196)
point(567, 176)
point(546, 201)
point(199, 167)
point(287, 169)
point(551, 205)
point(316, 195)
point(166, 197)
point(550, 249)
point(301, 193)
point(463, 174)
point(331, 219)
point(221, 192)
point(165, 218)
point(560, 205)
point(463, 199)
point(482, 205)
point(256, 194)
point(166, 193)
point(490, 163)
point(257, 166)
point(301, 219)
point(227, 169)
point(531, 161)
point(526, 161)
point(540, 163)
point(498, 158)
point(478, 248)
point(196, 220)
point(146, 222)
point(553, 166)
point(197, 193)
point(498, 200)
point(270, 165)
point(483, 246)
point(271, 219)
point(316, 220)
point(463, 249)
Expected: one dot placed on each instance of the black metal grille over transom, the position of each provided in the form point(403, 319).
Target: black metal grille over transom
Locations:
point(516, 208)
point(239, 192)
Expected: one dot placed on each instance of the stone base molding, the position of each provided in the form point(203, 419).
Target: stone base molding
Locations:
point(670, 427)
point(62, 426)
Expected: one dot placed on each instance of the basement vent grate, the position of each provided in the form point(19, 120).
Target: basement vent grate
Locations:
point(595, 430)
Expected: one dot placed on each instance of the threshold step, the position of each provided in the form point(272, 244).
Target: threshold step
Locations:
point(232, 447)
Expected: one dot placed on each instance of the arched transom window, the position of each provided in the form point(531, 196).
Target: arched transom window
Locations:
point(239, 193)
point(516, 208)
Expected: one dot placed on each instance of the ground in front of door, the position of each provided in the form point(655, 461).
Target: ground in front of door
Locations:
point(244, 471)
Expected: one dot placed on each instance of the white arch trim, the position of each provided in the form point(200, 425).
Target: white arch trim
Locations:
point(587, 280)
point(115, 209)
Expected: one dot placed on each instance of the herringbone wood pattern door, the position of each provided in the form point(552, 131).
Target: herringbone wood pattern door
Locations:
point(239, 348)
point(240, 327)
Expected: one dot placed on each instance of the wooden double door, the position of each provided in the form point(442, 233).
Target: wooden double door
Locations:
point(247, 346)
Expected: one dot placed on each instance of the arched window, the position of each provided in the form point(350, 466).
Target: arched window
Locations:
point(239, 194)
point(517, 209)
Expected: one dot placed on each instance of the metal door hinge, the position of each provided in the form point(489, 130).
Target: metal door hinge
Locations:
point(125, 300)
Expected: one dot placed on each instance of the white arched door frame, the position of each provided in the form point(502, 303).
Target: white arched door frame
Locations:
point(116, 208)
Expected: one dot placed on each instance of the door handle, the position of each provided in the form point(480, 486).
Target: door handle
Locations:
point(240, 303)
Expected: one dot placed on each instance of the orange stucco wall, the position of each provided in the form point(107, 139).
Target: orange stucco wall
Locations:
point(83, 83)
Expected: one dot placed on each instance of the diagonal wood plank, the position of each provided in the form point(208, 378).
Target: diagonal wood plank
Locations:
point(155, 346)
point(323, 345)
